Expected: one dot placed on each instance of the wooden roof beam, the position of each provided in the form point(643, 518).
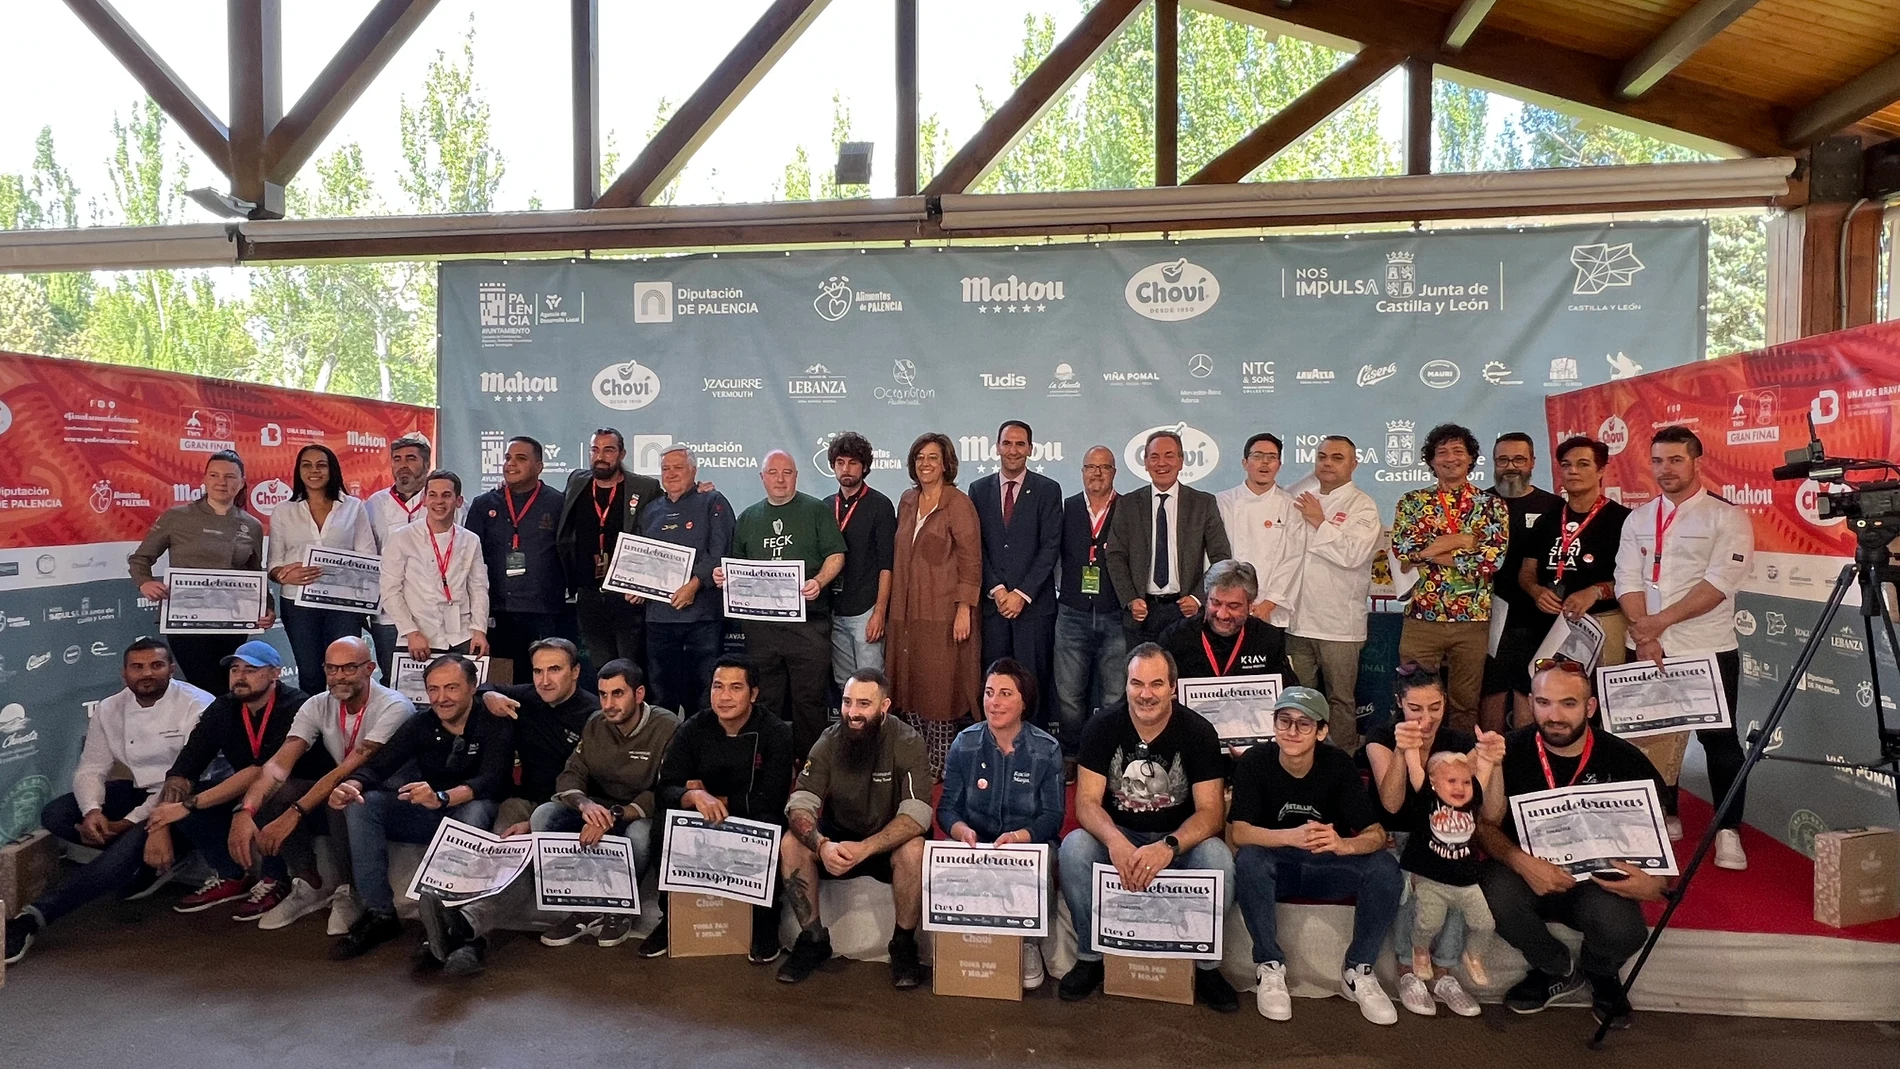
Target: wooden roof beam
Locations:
point(1044, 86)
point(381, 34)
point(1465, 22)
point(1684, 37)
point(157, 78)
point(700, 115)
point(1306, 111)
point(1869, 92)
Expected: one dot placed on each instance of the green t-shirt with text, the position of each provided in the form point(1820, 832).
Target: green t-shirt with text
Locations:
point(801, 529)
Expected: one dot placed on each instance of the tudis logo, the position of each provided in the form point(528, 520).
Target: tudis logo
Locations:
point(626, 387)
point(1171, 292)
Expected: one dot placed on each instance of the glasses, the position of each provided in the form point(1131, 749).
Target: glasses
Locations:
point(1294, 725)
point(1098, 467)
point(1258, 455)
point(1562, 664)
point(342, 669)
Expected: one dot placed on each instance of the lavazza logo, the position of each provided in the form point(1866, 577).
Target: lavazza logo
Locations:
point(518, 386)
point(836, 299)
point(626, 387)
point(1200, 453)
point(1011, 295)
point(1171, 292)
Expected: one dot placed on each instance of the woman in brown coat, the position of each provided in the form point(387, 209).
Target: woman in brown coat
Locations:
point(931, 650)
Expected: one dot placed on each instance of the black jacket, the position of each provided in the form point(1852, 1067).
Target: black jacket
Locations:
point(752, 770)
point(641, 491)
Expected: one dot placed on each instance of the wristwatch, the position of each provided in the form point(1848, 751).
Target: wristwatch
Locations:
point(442, 796)
point(190, 802)
point(1174, 844)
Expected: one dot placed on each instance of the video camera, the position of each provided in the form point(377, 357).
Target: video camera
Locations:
point(1872, 506)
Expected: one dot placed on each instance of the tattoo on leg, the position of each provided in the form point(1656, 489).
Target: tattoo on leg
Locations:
point(804, 904)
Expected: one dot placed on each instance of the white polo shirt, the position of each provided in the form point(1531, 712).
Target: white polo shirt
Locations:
point(1707, 539)
point(1335, 571)
point(144, 740)
point(383, 713)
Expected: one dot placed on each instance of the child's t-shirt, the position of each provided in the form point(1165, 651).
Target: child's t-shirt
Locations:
point(1443, 846)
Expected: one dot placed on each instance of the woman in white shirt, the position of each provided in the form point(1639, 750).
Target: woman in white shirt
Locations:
point(318, 513)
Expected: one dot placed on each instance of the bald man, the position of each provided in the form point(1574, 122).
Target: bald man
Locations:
point(794, 656)
point(1091, 647)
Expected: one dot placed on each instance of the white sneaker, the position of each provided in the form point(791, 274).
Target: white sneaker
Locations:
point(1414, 996)
point(301, 902)
point(1359, 985)
point(1728, 850)
point(1269, 993)
point(1673, 825)
point(1033, 972)
point(1453, 994)
point(345, 911)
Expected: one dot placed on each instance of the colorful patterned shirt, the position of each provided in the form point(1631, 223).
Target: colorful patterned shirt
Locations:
point(1461, 591)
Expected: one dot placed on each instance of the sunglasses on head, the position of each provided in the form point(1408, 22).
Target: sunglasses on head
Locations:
point(1562, 664)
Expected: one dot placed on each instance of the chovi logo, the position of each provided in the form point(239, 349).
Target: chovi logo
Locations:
point(1200, 454)
point(1171, 292)
point(626, 386)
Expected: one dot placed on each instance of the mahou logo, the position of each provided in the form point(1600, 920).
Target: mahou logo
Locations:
point(1171, 292)
point(627, 386)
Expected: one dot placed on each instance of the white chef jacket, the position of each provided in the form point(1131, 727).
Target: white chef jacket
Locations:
point(144, 740)
point(1268, 532)
point(412, 587)
point(1335, 573)
point(1708, 539)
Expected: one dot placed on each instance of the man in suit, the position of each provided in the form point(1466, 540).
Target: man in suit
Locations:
point(1021, 514)
point(1160, 542)
point(602, 501)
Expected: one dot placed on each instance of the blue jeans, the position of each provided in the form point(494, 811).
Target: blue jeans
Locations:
point(383, 818)
point(310, 632)
point(115, 867)
point(679, 660)
point(1091, 658)
point(1268, 875)
point(849, 651)
point(559, 816)
point(1075, 863)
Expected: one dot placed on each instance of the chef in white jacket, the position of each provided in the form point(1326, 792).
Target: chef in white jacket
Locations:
point(1328, 627)
point(435, 583)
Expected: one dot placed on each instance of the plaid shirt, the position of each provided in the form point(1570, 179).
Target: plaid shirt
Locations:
point(1461, 591)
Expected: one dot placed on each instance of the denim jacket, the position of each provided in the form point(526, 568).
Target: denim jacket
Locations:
point(994, 792)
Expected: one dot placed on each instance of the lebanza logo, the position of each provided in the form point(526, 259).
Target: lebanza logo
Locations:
point(627, 386)
point(834, 298)
point(1440, 374)
point(1372, 376)
point(1200, 454)
point(1171, 292)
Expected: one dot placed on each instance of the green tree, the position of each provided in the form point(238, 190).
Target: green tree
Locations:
point(449, 165)
point(45, 314)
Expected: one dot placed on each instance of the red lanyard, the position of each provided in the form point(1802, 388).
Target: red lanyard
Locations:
point(256, 735)
point(844, 520)
point(1451, 514)
point(601, 512)
point(1570, 538)
point(1095, 533)
point(514, 518)
point(442, 560)
point(343, 724)
point(404, 505)
point(1589, 747)
point(1239, 640)
point(1662, 528)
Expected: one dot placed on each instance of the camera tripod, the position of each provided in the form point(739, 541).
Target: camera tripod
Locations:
point(1870, 572)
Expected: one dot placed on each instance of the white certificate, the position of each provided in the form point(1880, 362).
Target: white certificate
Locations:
point(1239, 707)
point(1579, 640)
point(1177, 916)
point(409, 676)
point(736, 859)
point(204, 601)
point(352, 581)
point(771, 590)
point(572, 878)
point(1582, 829)
point(464, 863)
point(986, 889)
point(1685, 694)
point(648, 568)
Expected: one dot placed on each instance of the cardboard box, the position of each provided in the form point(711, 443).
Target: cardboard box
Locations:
point(3, 958)
point(1856, 876)
point(1159, 979)
point(28, 866)
point(978, 966)
point(701, 926)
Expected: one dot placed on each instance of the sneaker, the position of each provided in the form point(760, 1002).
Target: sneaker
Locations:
point(1540, 990)
point(422, 957)
point(1359, 985)
point(445, 929)
point(1080, 981)
point(1608, 1002)
point(617, 928)
point(1270, 996)
point(148, 881)
point(807, 954)
point(345, 910)
point(1213, 990)
point(573, 928)
point(1449, 991)
point(301, 902)
point(468, 959)
point(264, 896)
point(20, 933)
point(1415, 996)
point(654, 945)
point(765, 945)
point(1033, 972)
point(372, 931)
point(1728, 851)
point(906, 970)
point(1673, 825)
point(214, 890)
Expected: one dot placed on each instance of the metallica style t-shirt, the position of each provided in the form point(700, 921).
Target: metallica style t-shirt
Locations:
point(1151, 784)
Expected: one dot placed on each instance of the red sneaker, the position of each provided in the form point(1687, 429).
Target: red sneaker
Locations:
point(265, 895)
point(210, 893)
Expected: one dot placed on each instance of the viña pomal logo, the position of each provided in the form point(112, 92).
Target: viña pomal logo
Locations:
point(1171, 292)
point(627, 386)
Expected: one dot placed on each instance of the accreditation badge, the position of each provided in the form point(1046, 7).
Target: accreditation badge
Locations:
point(515, 564)
point(1091, 579)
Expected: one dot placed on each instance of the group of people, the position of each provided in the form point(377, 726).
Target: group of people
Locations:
point(1088, 611)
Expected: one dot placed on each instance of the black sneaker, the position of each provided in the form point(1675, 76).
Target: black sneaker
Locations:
point(1539, 990)
point(1213, 990)
point(906, 970)
point(1081, 981)
point(1608, 1002)
point(654, 945)
point(372, 931)
point(20, 933)
point(145, 883)
point(422, 957)
point(765, 945)
point(445, 929)
point(807, 954)
point(467, 959)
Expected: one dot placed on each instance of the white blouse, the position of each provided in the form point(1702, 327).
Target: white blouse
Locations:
point(292, 530)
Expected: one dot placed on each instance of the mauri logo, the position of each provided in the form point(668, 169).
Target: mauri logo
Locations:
point(1200, 454)
point(834, 299)
point(1372, 376)
point(627, 386)
point(1171, 292)
point(267, 495)
point(1440, 374)
point(1603, 266)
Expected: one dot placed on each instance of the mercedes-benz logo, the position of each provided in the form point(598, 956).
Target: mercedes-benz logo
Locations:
point(1200, 365)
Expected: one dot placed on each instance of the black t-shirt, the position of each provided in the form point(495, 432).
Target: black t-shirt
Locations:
point(1590, 557)
point(869, 525)
point(1525, 511)
point(1151, 785)
point(1441, 847)
point(1266, 795)
point(1386, 735)
point(1262, 650)
point(1612, 760)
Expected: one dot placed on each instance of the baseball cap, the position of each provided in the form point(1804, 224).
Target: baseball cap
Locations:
point(258, 654)
point(1303, 700)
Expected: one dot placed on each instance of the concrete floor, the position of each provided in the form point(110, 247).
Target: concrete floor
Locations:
point(137, 985)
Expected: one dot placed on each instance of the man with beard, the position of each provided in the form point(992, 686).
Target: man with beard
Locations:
point(351, 719)
point(1525, 892)
point(1513, 460)
point(603, 501)
point(861, 807)
point(548, 714)
point(141, 727)
point(398, 506)
point(1148, 796)
point(1226, 638)
point(685, 632)
point(518, 524)
point(861, 597)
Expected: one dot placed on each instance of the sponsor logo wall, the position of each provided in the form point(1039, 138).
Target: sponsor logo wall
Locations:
point(89, 456)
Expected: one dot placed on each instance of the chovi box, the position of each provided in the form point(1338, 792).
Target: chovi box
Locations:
point(1856, 876)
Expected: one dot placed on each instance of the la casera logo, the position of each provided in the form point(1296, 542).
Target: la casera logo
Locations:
point(627, 386)
point(1171, 292)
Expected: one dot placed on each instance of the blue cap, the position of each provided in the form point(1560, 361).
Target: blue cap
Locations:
point(257, 653)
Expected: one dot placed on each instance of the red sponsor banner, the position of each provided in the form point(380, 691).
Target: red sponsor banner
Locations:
point(1749, 409)
point(93, 453)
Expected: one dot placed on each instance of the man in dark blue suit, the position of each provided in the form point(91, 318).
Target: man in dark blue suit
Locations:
point(1021, 513)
